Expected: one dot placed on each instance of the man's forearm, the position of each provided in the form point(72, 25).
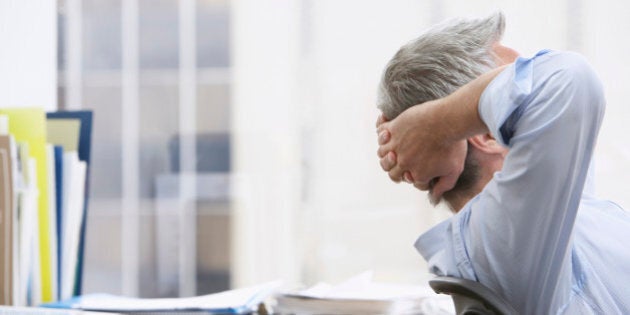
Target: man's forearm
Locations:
point(460, 110)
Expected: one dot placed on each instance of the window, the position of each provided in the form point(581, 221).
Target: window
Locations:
point(156, 73)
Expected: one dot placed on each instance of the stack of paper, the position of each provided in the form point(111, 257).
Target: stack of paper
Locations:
point(359, 295)
point(10, 310)
point(239, 301)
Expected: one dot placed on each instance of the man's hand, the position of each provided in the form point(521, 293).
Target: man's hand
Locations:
point(418, 148)
point(426, 144)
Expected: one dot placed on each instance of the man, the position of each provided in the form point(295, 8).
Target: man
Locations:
point(509, 151)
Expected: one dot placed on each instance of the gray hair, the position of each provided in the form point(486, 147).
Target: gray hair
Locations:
point(441, 60)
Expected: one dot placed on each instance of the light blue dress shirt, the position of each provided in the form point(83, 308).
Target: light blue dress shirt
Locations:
point(532, 235)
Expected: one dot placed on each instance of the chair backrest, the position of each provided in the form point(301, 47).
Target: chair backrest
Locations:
point(471, 297)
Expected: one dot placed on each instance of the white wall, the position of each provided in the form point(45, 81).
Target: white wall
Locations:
point(265, 148)
point(28, 53)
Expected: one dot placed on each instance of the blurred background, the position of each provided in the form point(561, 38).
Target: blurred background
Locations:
point(234, 141)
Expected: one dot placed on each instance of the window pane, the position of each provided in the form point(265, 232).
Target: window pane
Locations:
point(213, 33)
point(159, 34)
point(61, 36)
point(159, 126)
point(213, 108)
point(102, 29)
point(213, 246)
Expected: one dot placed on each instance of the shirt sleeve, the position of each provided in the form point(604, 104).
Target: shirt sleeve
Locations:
point(547, 110)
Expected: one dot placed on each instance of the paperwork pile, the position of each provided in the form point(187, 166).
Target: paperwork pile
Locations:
point(359, 295)
point(239, 301)
point(16, 310)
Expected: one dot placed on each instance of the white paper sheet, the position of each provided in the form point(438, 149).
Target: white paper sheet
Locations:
point(233, 299)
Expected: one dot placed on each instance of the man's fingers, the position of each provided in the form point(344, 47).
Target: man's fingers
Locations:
point(395, 174)
point(422, 183)
point(383, 150)
point(384, 136)
point(388, 161)
point(387, 156)
point(381, 119)
point(421, 186)
point(382, 127)
point(407, 177)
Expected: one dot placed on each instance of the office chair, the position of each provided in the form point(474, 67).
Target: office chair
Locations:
point(471, 297)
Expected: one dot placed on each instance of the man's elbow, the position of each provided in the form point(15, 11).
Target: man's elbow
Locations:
point(584, 88)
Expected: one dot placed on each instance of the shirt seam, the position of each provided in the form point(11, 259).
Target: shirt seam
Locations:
point(577, 289)
point(575, 293)
point(462, 259)
point(586, 266)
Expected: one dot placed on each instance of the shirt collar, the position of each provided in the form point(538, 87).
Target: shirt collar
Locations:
point(437, 238)
point(433, 240)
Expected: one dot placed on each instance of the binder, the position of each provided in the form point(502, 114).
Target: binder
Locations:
point(53, 228)
point(85, 117)
point(59, 204)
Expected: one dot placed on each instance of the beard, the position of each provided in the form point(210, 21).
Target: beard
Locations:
point(465, 183)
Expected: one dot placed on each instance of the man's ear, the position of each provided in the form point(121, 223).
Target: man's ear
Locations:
point(486, 143)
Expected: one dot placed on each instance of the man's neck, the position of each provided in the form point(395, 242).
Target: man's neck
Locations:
point(457, 202)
